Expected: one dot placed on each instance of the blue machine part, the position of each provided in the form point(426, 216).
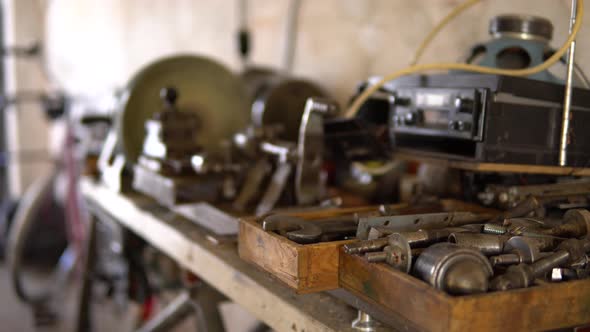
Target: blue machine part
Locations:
point(517, 42)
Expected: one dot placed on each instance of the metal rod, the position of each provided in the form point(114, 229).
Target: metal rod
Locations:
point(84, 319)
point(243, 14)
point(565, 123)
point(291, 27)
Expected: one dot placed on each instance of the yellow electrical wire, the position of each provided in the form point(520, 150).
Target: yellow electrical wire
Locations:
point(360, 100)
point(454, 13)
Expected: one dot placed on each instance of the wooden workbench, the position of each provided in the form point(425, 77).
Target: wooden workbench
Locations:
point(219, 265)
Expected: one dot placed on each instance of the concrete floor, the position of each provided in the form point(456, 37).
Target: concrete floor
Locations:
point(16, 316)
point(106, 316)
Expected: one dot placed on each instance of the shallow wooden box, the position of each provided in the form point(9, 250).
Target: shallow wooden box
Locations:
point(305, 268)
point(312, 267)
point(423, 308)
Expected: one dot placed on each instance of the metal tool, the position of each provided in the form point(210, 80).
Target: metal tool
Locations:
point(378, 232)
point(209, 90)
point(518, 250)
point(276, 187)
point(496, 229)
point(567, 102)
point(309, 231)
point(523, 275)
point(510, 196)
point(487, 244)
point(171, 137)
point(112, 165)
point(529, 227)
point(254, 179)
point(421, 237)
point(310, 151)
point(563, 274)
point(304, 158)
point(415, 222)
point(397, 253)
point(164, 170)
point(283, 154)
point(454, 269)
point(277, 100)
point(528, 206)
point(575, 271)
point(383, 231)
point(577, 224)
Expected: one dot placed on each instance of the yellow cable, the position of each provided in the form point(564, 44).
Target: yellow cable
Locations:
point(360, 100)
point(456, 11)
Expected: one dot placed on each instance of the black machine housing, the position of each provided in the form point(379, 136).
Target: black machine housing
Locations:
point(487, 119)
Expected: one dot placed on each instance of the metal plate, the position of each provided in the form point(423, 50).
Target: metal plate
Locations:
point(204, 87)
point(210, 217)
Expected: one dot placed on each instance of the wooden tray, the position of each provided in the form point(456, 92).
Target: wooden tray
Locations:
point(425, 308)
point(311, 267)
point(305, 268)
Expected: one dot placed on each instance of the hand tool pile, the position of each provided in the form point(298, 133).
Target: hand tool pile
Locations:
point(458, 252)
point(467, 253)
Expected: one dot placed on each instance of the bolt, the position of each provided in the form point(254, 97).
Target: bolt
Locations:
point(394, 256)
point(418, 238)
point(376, 257)
point(365, 246)
point(506, 259)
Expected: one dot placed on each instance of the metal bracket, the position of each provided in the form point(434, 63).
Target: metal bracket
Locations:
point(112, 165)
point(310, 150)
point(275, 188)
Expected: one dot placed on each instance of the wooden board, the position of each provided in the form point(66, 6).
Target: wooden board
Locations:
point(544, 307)
point(313, 267)
point(493, 167)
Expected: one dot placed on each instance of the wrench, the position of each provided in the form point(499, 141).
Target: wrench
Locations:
point(304, 231)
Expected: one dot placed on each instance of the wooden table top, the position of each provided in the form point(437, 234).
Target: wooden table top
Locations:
point(219, 264)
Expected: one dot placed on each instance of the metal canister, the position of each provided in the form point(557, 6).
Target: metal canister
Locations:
point(454, 269)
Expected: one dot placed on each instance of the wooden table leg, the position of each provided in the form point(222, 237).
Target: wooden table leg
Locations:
point(83, 323)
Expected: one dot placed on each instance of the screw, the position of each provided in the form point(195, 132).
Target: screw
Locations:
point(506, 259)
point(494, 229)
point(417, 238)
point(365, 246)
